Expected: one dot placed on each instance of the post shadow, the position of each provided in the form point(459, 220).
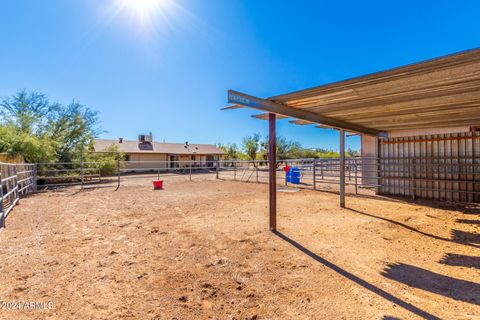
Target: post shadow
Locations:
point(460, 260)
point(465, 208)
point(408, 306)
point(465, 237)
point(468, 221)
point(460, 290)
point(460, 237)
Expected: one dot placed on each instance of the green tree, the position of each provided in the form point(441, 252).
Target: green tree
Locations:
point(251, 146)
point(33, 148)
point(231, 151)
point(106, 161)
point(352, 153)
point(286, 149)
point(41, 131)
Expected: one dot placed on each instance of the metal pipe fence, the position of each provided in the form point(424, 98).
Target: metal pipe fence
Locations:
point(446, 178)
point(443, 167)
point(449, 177)
point(63, 174)
point(161, 169)
point(313, 172)
point(16, 181)
point(442, 178)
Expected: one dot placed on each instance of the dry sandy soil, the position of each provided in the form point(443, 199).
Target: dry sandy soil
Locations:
point(201, 250)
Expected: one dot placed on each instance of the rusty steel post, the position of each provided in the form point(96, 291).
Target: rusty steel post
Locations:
point(272, 168)
point(342, 168)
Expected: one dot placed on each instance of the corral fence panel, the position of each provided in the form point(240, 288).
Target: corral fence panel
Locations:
point(16, 181)
point(442, 167)
point(314, 173)
point(63, 174)
point(187, 169)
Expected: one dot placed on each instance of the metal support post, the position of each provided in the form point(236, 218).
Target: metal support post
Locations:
point(321, 169)
point(349, 170)
point(342, 168)
point(356, 175)
point(16, 184)
point(412, 178)
point(35, 177)
point(8, 184)
point(272, 167)
point(314, 172)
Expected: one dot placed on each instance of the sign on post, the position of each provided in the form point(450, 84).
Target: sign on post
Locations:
point(244, 101)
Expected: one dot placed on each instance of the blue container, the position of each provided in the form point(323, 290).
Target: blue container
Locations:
point(294, 175)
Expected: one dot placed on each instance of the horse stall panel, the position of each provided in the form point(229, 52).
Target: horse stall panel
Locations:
point(440, 167)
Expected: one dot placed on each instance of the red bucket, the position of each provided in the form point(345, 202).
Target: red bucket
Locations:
point(157, 184)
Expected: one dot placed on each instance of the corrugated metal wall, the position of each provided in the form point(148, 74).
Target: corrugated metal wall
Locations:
point(440, 167)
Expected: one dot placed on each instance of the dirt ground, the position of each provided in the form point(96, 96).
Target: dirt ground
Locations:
point(202, 250)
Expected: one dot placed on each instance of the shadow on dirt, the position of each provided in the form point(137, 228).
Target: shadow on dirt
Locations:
point(460, 237)
point(465, 237)
point(466, 208)
point(357, 280)
point(468, 221)
point(412, 276)
point(459, 260)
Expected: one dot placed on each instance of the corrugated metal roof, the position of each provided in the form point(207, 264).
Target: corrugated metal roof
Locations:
point(437, 93)
point(440, 92)
point(133, 146)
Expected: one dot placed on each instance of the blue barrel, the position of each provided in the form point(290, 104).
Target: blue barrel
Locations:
point(294, 175)
point(288, 175)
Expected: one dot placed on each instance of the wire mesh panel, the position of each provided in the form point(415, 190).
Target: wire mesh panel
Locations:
point(440, 167)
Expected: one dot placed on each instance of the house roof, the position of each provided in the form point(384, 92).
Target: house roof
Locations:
point(133, 146)
point(441, 92)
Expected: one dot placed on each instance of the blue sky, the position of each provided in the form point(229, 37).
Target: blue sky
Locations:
point(169, 72)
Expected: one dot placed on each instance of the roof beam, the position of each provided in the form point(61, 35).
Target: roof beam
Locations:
point(301, 122)
point(235, 106)
point(451, 60)
point(349, 134)
point(264, 116)
point(272, 107)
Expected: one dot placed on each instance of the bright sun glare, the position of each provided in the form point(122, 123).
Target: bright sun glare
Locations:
point(144, 10)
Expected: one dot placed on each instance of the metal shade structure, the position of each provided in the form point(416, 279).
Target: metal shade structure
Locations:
point(441, 92)
point(437, 93)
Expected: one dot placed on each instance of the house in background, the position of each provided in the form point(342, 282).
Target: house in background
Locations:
point(167, 155)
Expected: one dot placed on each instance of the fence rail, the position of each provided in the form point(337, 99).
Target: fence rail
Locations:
point(16, 181)
point(445, 178)
point(313, 172)
point(63, 174)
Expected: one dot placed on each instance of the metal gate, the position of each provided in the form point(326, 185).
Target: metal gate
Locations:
point(440, 167)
